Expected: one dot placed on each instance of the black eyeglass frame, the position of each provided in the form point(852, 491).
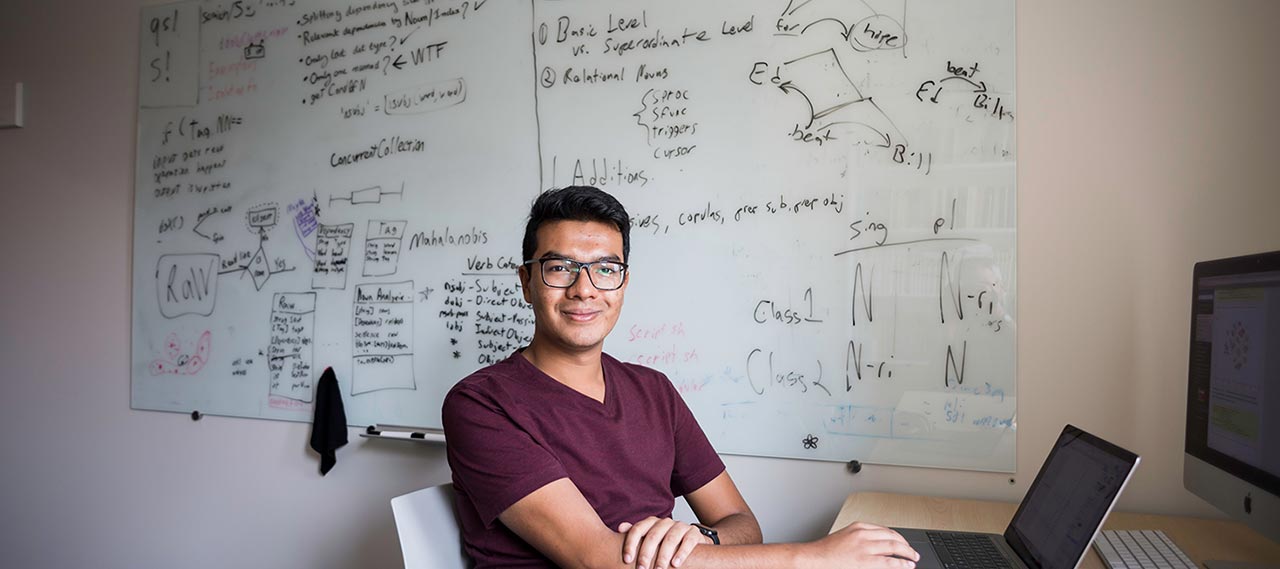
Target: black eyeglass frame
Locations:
point(578, 273)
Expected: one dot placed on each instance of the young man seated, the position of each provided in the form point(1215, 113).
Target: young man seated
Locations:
point(564, 456)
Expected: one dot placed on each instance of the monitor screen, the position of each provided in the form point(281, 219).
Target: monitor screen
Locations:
point(1233, 391)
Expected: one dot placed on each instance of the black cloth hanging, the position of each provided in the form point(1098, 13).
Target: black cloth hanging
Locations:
point(329, 426)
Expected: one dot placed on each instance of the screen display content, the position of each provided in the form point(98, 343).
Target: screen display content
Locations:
point(1233, 414)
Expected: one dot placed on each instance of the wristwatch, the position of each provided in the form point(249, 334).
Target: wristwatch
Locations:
point(713, 534)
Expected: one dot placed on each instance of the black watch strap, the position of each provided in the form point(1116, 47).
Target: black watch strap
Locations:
point(713, 534)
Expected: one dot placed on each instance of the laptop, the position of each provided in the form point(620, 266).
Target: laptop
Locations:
point(1059, 517)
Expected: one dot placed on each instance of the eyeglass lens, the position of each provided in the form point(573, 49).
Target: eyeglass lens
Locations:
point(562, 273)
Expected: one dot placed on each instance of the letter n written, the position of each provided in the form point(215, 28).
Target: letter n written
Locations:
point(951, 368)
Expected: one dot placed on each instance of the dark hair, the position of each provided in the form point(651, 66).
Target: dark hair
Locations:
point(576, 203)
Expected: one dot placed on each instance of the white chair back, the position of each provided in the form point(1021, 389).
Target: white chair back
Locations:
point(428, 528)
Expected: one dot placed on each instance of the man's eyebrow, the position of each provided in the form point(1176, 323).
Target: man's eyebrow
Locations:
point(562, 256)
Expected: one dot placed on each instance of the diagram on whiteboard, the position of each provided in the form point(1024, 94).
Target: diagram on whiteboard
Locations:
point(837, 109)
point(258, 265)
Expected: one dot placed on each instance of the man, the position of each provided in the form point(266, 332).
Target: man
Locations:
point(564, 456)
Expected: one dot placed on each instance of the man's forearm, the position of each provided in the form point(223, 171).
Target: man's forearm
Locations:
point(773, 555)
point(856, 545)
point(738, 529)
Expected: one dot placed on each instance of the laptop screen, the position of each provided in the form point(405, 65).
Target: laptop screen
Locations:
point(1068, 500)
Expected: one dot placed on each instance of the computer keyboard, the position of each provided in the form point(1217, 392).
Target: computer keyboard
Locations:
point(967, 551)
point(1140, 549)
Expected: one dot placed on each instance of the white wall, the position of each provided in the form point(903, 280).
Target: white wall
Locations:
point(1147, 140)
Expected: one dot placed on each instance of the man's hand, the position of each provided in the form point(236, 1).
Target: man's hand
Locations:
point(659, 543)
point(867, 545)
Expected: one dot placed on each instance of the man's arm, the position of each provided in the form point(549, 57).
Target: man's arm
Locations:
point(655, 542)
point(558, 521)
point(720, 505)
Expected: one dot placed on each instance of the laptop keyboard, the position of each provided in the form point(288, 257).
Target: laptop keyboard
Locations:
point(1140, 549)
point(965, 551)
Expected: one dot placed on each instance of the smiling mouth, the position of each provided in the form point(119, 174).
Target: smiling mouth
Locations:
point(581, 316)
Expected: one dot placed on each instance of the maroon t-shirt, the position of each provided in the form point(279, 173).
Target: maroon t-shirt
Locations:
point(511, 429)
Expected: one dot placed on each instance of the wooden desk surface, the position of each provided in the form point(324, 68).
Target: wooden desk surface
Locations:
point(1199, 538)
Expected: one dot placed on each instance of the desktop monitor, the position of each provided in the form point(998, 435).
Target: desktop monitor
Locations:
point(1233, 389)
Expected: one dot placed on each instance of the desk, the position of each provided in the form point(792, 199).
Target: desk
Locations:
point(1200, 538)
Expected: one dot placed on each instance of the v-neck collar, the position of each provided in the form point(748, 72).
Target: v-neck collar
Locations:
point(610, 392)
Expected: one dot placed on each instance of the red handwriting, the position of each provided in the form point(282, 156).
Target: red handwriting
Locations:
point(238, 41)
point(667, 357)
point(231, 69)
point(638, 332)
point(287, 404)
point(215, 93)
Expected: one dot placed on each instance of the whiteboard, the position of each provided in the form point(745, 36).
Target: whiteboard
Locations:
point(822, 195)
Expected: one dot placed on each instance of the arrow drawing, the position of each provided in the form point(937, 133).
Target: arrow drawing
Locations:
point(860, 24)
point(834, 101)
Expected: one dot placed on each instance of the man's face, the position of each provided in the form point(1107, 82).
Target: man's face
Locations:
point(577, 318)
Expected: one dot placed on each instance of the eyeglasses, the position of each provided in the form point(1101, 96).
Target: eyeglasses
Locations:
point(562, 273)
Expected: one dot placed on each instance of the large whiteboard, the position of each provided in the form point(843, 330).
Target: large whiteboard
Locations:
point(822, 192)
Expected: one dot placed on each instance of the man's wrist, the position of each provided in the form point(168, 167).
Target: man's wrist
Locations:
point(708, 533)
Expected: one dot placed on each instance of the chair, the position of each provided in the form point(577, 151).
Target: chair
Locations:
point(428, 528)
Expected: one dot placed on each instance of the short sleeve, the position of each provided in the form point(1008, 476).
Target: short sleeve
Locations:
point(494, 460)
point(696, 461)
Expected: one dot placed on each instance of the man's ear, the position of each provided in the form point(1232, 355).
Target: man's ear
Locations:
point(524, 274)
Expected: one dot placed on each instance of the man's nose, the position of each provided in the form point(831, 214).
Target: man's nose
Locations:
point(582, 287)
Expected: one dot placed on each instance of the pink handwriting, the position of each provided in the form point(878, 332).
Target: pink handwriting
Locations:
point(287, 404)
point(638, 332)
point(667, 357)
